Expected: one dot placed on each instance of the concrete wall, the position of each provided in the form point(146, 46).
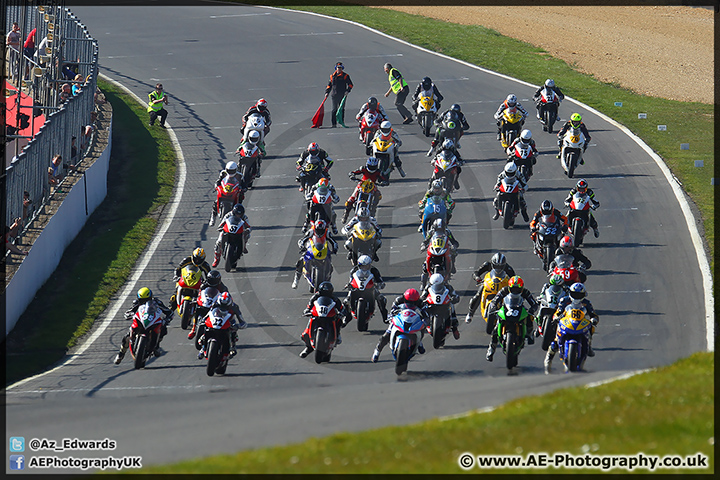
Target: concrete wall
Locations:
point(62, 229)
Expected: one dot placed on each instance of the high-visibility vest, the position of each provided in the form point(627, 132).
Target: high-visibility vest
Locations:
point(154, 96)
point(396, 84)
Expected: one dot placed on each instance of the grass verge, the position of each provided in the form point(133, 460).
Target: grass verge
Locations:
point(686, 122)
point(97, 263)
point(646, 413)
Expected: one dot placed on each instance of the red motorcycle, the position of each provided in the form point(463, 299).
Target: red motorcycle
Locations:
point(229, 192)
point(216, 340)
point(438, 305)
point(524, 158)
point(565, 268)
point(323, 328)
point(438, 260)
point(579, 216)
point(248, 156)
point(205, 301)
point(509, 200)
point(547, 106)
point(369, 124)
point(146, 327)
point(445, 166)
point(362, 298)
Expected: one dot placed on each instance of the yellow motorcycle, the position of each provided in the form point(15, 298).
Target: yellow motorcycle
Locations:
point(426, 111)
point(362, 240)
point(492, 283)
point(386, 153)
point(186, 294)
point(510, 126)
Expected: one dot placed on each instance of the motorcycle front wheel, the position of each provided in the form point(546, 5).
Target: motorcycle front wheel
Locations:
point(511, 345)
point(213, 356)
point(438, 333)
point(141, 352)
point(403, 356)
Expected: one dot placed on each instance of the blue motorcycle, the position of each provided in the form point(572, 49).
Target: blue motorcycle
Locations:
point(406, 333)
point(435, 208)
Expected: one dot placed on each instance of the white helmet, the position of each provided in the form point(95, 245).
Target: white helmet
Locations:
point(448, 144)
point(385, 127)
point(231, 168)
point(437, 187)
point(525, 136)
point(363, 212)
point(549, 83)
point(364, 260)
point(511, 100)
point(510, 169)
point(436, 279)
point(254, 136)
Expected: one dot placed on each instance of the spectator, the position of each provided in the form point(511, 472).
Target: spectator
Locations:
point(29, 49)
point(54, 172)
point(73, 151)
point(27, 206)
point(12, 232)
point(78, 83)
point(65, 93)
point(13, 44)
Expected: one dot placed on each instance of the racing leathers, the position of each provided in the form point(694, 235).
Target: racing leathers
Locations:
point(125, 342)
point(379, 297)
point(521, 195)
point(495, 304)
point(499, 114)
point(559, 339)
point(479, 276)
point(321, 154)
point(219, 244)
point(341, 319)
point(594, 203)
point(396, 307)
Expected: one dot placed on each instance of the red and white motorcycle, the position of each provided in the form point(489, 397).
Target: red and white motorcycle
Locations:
point(445, 165)
point(216, 340)
point(579, 216)
point(323, 329)
point(509, 200)
point(369, 124)
point(362, 297)
point(146, 328)
point(438, 304)
point(249, 155)
point(547, 106)
point(524, 157)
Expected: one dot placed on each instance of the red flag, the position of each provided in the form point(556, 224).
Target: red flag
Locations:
point(317, 119)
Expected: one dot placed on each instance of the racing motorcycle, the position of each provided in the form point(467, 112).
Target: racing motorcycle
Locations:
point(255, 122)
point(511, 328)
point(369, 124)
point(547, 239)
point(565, 268)
point(229, 192)
point(549, 300)
point(362, 297)
point(510, 126)
point(426, 111)
point(407, 330)
point(575, 327)
point(446, 167)
point(186, 293)
point(509, 200)
point(317, 264)
point(321, 202)
point(233, 241)
point(362, 240)
point(492, 283)
point(435, 208)
point(438, 259)
point(524, 158)
point(310, 174)
point(449, 129)
point(205, 301)
point(323, 328)
point(571, 153)
point(386, 153)
point(248, 154)
point(366, 194)
point(547, 106)
point(146, 328)
point(578, 216)
point(216, 340)
point(438, 304)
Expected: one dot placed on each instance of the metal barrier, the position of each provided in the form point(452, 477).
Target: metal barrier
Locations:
point(70, 49)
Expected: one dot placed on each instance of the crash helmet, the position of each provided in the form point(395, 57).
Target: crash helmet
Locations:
point(363, 214)
point(231, 168)
point(371, 164)
point(516, 284)
point(254, 136)
point(411, 295)
point(372, 103)
point(367, 186)
point(324, 182)
point(213, 278)
point(261, 104)
point(364, 262)
point(439, 225)
point(550, 83)
point(575, 120)
point(566, 244)
point(546, 207)
point(313, 148)
point(322, 190)
point(326, 289)
point(498, 262)
point(510, 169)
point(198, 256)
point(577, 292)
point(238, 210)
point(525, 136)
point(144, 294)
point(224, 301)
point(437, 187)
point(581, 186)
point(448, 144)
point(436, 279)
point(556, 279)
point(426, 83)
point(456, 108)
point(511, 100)
point(386, 127)
point(320, 227)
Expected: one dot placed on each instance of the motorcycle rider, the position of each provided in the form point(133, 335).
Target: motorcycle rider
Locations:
point(198, 259)
point(214, 279)
point(325, 289)
point(261, 107)
point(510, 101)
point(549, 84)
point(437, 280)
point(144, 295)
point(510, 171)
point(499, 264)
point(454, 114)
point(576, 299)
point(567, 247)
point(576, 122)
point(314, 150)
point(323, 187)
point(238, 212)
point(438, 226)
point(226, 304)
point(582, 187)
point(514, 287)
point(436, 189)
point(427, 85)
point(229, 171)
point(525, 140)
point(546, 208)
point(386, 133)
point(449, 145)
point(369, 171)
point(319, 228)
point(374, 106)
point(365, 186)
point(253, 139)
point(363, 215)
point(365, 264)
point(412, 299)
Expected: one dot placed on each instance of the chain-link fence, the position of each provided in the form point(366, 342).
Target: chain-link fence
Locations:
point(64, 50)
